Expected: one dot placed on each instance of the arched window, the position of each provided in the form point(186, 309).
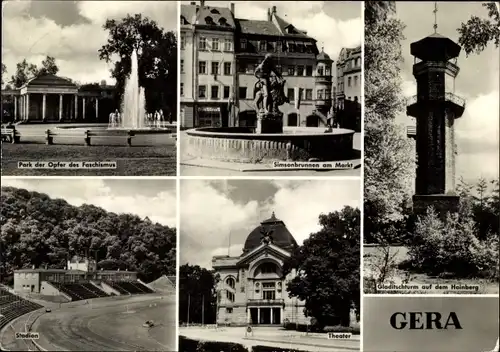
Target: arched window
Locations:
point(268, 268)
point(230, 296)
point(231, 282)
point(222, 21)
point(209, 20)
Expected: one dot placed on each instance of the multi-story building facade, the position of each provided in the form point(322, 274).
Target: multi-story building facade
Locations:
point(308, 72)
point(252, 286)
point(207, 64)
point(348, 90)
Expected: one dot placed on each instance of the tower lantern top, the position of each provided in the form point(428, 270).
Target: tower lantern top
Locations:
point(435, 48)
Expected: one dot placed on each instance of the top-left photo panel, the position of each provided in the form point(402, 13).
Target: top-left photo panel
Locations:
point(89, 88)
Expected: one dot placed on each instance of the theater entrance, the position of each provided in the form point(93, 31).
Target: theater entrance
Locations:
point(265, 316)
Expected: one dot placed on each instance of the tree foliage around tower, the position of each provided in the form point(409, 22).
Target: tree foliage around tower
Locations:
point(327, 267)
point(157, 58)
point(477, 33)
point(197, 285)
point(389, 159)
point(40, 231)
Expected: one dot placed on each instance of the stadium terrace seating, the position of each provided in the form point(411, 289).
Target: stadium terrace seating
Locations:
point(12, 307)
point(129, 287)
point(79, 291)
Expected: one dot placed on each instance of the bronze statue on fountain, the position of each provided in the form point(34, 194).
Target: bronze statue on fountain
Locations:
point(269, 95)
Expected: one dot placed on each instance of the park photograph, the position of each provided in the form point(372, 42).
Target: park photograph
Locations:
point(431, 148)
point(90, 89)
point(88, 264)
point(269, 265)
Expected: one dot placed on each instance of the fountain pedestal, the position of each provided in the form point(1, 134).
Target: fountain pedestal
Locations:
point(269, 122)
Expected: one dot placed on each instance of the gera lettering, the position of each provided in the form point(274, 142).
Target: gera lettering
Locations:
point(424, 321)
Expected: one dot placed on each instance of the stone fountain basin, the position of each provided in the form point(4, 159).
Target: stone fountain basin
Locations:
point(118, 130)
point(242, 145)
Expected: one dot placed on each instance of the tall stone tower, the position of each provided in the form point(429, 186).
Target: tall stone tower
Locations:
point(435, 108)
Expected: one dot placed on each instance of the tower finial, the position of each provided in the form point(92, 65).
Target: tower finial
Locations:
point(435, 16)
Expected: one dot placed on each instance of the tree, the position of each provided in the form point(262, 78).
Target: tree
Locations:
point(477, 33)
point(4, 71)
point(25, 71)
point(197, 285)
point(327, 268)
point(389, 155)
point(157, 56)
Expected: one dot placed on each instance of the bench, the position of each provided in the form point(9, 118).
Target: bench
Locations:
point(10, 135)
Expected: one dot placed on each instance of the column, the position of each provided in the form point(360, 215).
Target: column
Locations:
point(83, 108)
point(258, 315)
point(271, 311)
point(15, 107)
point(76, 107)
point(97, 108)
point(44, 106)
point(249, 316)
point(60, 106)
point(27, 106)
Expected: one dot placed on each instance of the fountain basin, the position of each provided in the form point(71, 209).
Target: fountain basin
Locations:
point(242, 145)
point(119, 130)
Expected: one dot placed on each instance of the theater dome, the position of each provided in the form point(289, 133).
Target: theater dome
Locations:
point(281, 237)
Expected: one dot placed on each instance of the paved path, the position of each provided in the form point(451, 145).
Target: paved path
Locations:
point(272, 337)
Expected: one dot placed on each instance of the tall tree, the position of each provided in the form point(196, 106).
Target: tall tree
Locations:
point(327, 268)
point(49, 67)
point(26, 70)
point(477, 33)
point(197, 285)
point(157, 56)
point(389, 155)
point(4, 71)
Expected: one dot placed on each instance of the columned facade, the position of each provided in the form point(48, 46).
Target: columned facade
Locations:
point(252, 287)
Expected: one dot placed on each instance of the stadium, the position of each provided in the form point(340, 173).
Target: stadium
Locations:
point(81, 308)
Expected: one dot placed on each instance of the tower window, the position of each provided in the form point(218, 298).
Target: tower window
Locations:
point(230, 282)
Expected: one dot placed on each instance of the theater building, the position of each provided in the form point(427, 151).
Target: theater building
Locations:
point(50, 98)
point(252, 286)
point(207, 64)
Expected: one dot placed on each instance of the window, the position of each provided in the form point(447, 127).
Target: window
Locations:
point(215, 92)
point(215, 44)
point(202, 92)
point(291, 95)
point(215, 11)
point(229, 310)
point(230, 296)
point(226, 91)
point(355, 81)
point(279, 46)
point(349, 79)
point(309, 70)
point(227, 68)
point(228, 45)
point(268, 285)
point(320, 70)
point(182, 66)
point(309, 94)
point(268, 268)
point(202, 68)
point(291, 47)
point(320, 94)
point(182, 89)
point(215, 68)
point(242, 92)
point(203, 43)
point(300, 70)
point(183, 41)
point(222, 21)
point(230, 282)
point(209, 20)
point(243, 44)
point(262, 45)
point(242, 67)
point(291, 70)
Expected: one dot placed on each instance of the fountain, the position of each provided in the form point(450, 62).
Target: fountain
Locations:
point(270, 141)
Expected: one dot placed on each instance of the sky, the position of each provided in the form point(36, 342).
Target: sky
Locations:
point(70, 31)
point(217, 214)
point(478, 317)
point(155, 199)
point(478, 82)
point(334, 24)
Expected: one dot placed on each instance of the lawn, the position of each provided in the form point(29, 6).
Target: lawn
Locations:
point(145, 160)
point(373, 255)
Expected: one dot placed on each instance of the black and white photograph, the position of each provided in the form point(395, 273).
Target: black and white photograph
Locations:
point(430, 324)
point(88, 265)
point(89, 88)
point(431, 148)
point(269, 265)
point(270, 88)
